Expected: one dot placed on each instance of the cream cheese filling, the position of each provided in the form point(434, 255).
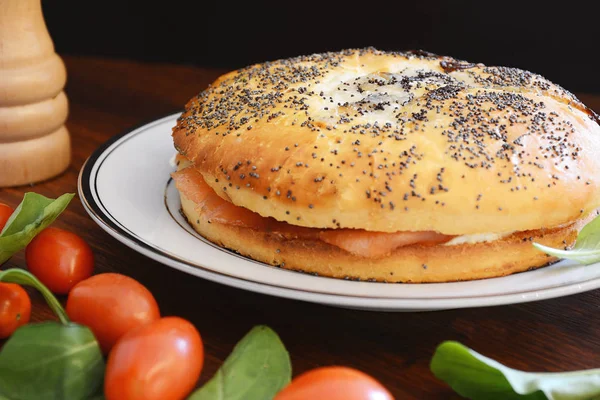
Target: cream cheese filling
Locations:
point(477, 238)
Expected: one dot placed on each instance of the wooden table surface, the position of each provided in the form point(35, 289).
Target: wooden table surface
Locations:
point(107, 97)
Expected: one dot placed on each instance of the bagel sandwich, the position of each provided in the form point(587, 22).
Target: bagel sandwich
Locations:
point(388, 166)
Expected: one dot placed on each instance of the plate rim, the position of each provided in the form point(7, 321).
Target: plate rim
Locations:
point(372, 303)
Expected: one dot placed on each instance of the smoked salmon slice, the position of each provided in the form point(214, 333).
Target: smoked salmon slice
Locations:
point(376, 244)
point(213, 208)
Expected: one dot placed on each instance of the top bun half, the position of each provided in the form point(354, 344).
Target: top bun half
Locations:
point(389, 141)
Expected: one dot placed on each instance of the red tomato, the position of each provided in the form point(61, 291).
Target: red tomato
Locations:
point(5, 213)
point(159, 361)
point(334, 383)
point(15, 308)
point(59, 259)
point(111, 305)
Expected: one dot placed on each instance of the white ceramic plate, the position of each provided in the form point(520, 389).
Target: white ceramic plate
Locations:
point(126, 188)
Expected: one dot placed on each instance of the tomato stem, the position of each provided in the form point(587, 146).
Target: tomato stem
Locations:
point(22, 277)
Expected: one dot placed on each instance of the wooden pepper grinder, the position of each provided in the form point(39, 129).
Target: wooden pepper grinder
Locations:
point(34, 143)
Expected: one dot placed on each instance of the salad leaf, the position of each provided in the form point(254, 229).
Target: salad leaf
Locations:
point(32, 216)
point(586, 249)
point(258, 368)
point(475, 376)
point(51, 361)
point(22, 277)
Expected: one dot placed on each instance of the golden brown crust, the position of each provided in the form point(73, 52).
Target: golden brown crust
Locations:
point(416, 263)
point(395, 142)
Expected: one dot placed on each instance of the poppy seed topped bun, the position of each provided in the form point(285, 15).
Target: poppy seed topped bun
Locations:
point(395, 142)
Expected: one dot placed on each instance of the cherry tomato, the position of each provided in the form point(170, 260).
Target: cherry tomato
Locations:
point(5, 213)
point(334, 383)
point(15, 308)
point(59, 259)
point(159, 361)
point(111, 305)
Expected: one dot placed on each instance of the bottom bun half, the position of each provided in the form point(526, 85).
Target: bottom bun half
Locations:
point(409, 264)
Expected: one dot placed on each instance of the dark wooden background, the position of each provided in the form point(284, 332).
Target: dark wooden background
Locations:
point(557, 39)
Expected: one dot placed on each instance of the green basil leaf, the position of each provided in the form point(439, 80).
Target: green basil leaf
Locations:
point(32, 216)
point(50, 361)
point(258, 368)
point(586, 249)
point(475, 376)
